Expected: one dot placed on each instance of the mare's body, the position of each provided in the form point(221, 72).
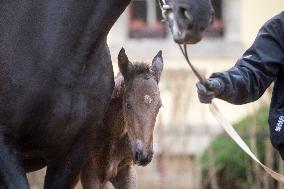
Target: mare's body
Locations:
point(56, 81)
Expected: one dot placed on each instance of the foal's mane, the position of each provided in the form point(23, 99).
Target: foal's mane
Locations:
point(119, 84)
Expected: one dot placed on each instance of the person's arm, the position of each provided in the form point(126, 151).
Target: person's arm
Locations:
point(255, 70)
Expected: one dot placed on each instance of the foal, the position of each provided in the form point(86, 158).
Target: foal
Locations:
point(127, 136)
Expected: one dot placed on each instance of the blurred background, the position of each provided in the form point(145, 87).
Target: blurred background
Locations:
point(191, 150)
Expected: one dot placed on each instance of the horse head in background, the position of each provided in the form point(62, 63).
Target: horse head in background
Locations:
point(188, 18)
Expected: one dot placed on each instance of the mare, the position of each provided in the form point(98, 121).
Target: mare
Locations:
point(56, 82)
point(127, 136)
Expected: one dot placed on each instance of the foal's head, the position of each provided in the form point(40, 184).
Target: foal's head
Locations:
point(141, 103)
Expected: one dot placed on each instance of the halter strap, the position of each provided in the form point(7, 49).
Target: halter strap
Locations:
point(165, 8)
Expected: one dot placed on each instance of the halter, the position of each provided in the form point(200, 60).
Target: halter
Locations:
point(165, 8)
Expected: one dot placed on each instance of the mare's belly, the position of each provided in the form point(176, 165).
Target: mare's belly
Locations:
point(65, 114)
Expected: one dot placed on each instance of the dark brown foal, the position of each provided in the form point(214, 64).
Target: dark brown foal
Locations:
point(127, 136)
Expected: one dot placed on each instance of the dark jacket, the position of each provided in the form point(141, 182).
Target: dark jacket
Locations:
point(262, 64)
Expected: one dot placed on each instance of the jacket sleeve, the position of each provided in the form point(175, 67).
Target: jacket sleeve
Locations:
point(258, 67)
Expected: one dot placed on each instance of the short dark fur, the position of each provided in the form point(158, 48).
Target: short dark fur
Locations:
point(56, 82)
point(140, 68)
point(114, 161)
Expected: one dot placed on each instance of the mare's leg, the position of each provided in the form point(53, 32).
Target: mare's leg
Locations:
point(125, 179)
point(31, 165)
point(12, 173)
point(2, 185)
point(63, 174)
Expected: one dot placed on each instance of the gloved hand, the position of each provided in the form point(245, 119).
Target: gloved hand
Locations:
point(212, 88)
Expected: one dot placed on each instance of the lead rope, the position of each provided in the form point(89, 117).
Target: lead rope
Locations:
point(225, 124)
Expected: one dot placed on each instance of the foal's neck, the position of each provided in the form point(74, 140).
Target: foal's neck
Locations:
point(114, 119)
point(115, 133)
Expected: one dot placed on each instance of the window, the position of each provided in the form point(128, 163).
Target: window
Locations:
point(217, 28)
point(145, 20)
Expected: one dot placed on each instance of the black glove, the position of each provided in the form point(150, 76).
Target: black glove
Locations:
point(212, 88)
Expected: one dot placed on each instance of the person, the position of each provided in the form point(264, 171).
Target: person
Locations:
point(247, 80)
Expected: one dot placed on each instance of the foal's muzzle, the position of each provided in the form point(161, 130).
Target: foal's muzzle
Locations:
point(141, 156)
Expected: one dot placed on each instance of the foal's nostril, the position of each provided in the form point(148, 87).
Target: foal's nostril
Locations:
point(151, 154)
point(138, 155)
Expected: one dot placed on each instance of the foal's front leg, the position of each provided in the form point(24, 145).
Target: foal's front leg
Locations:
point(89, 176)
point(126, 178)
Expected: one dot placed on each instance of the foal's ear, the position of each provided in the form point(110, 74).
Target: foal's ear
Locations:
point(123, 63)
point(157, 66)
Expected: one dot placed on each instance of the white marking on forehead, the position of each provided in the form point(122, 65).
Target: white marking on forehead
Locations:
point(147, 99)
